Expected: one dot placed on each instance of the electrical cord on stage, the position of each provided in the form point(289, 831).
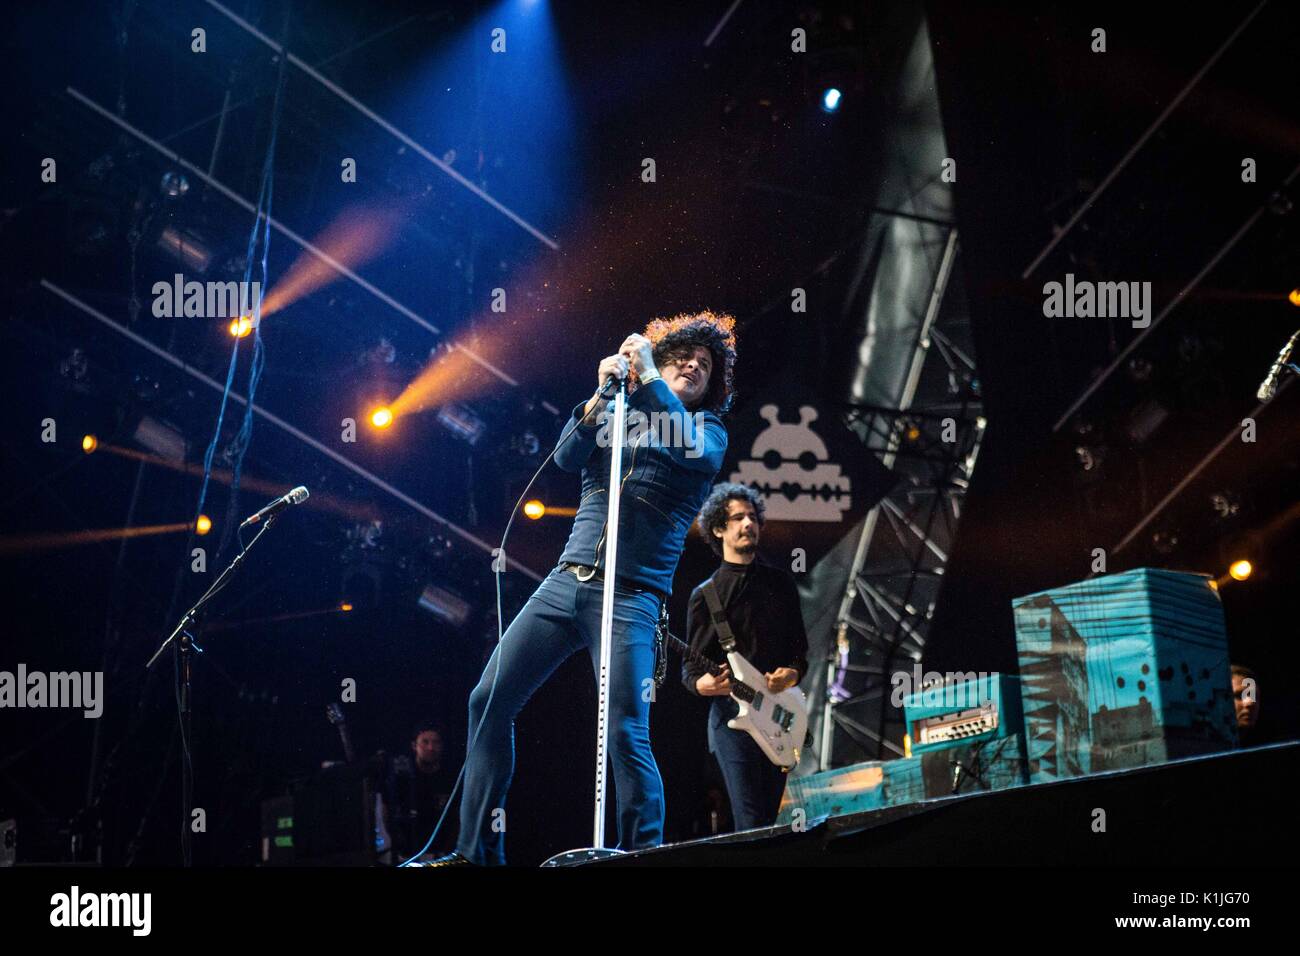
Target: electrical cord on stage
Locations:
point(498, 566)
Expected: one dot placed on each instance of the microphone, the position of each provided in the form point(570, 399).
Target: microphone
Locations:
point(1268, 387)
point(611, 384)
point(295, 497)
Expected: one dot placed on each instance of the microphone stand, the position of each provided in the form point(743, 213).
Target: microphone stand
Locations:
point(598, 850)
point(187, 648)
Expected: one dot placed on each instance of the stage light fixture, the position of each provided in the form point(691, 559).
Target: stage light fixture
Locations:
point(1226, 504)
point(174, 185)
point(1145, 420)
point(1294, 297)
point(89, 444)
point(1165, 541)
point(831, 100)
point(447, 606)
point(161, 439)
point(1140, 369)
point(240, 327)
point(381, 417)
point(75, 365)
point(191, 251)
point(534, 509)
point(462, 421)
point(345, 607)
point(1240, 570)
point(203, 525)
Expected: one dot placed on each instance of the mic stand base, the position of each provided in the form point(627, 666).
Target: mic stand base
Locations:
point(582, 855)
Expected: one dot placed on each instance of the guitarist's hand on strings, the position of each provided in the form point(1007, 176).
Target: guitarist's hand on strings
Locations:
point(719, 686)
point(781, 678)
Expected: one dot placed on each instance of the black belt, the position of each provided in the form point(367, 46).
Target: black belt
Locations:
point(585, 572)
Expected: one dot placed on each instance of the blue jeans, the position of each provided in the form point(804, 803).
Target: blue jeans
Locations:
point(755, 785)
point(560, 619)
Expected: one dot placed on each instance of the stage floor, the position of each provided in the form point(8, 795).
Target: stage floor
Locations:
point(1215, 810)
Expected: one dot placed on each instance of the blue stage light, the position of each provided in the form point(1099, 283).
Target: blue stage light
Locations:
point(831, 100)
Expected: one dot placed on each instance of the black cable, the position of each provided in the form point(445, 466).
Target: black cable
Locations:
point(262, 223)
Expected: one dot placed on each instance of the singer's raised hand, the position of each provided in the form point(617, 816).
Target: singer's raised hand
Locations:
point(639, 352)
point(613, 365)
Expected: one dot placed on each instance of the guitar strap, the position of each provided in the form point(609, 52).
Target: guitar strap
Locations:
point(726, 636)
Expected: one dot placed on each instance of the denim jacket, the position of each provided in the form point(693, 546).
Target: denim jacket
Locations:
point(669, 462)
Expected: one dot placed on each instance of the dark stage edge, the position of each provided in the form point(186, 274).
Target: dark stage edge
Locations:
point(1228, 809)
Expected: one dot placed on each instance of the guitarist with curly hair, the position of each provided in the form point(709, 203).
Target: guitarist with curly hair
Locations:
point(758, 606)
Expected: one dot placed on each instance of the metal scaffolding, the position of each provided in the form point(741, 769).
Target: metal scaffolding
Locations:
point(931, 441)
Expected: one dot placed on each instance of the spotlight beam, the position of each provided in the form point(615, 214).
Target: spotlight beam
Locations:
point(288, 233)
point(281, 424)
point(721, 23)
point(24, 543)
point(554, 511)
point(319, 501)
point(387, 126)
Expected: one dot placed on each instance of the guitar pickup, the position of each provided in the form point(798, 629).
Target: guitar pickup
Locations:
point(782, 718)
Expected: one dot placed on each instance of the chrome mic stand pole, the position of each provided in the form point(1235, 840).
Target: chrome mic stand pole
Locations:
point(618, 434)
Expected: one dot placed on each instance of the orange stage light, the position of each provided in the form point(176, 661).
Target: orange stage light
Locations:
point(1294, 297)
point(381, 417)
point(534, 509)
point(345, 607)
point(1240, 570)
point(241, 326)
point(89, 444)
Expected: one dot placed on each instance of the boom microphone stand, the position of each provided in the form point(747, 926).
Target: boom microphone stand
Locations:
point(188, 647)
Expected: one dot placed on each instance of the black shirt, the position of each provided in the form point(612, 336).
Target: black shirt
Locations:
point(418, 800)
point(762, 606)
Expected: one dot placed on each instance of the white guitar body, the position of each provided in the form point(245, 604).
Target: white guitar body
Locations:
point(777, 722)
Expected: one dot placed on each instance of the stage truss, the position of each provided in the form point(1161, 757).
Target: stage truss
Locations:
point(931, 441)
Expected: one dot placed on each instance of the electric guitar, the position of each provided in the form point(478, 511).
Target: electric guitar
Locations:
point(334, 714)
point(777, 722)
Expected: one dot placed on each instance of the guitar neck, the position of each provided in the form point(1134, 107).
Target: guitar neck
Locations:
point(740, 690)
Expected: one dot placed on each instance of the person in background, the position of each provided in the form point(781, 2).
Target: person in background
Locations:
point(1245, 698)
point(422, 786)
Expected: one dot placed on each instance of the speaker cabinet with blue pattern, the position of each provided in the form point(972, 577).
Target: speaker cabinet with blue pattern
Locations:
point(1123, 671)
